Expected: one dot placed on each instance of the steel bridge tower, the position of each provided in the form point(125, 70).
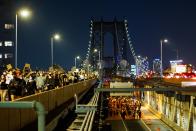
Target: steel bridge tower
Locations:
point(119, 32)
point(123, 49)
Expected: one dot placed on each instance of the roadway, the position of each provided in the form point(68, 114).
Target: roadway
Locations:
point(148, 122)
point(153, 122)
point(127, 125)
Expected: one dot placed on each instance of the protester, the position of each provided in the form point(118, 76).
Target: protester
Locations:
point(50, 81)
point(40, 82)
point(15, 83)
point(3, 87)
point(126, 106)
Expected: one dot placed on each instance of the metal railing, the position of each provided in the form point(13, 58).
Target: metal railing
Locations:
point(88, 120)
point(86, 114)
point(37, 106)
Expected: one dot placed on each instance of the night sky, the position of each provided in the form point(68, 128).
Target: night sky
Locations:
point(149, 21)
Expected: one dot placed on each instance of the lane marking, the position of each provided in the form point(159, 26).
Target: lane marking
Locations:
point(126, 129)
point(145, 125)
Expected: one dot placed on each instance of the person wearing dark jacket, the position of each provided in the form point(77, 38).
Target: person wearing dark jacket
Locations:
point(3, 88)
point(56, 81)
point(17, 87)
point(50, 81)
point(31, 85)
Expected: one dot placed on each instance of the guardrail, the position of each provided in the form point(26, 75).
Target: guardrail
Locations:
point(37, 106)
point(88, 120)
point(86, 113)
point(15, 119)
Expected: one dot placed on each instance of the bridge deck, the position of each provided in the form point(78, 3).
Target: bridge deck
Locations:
point(148, 122)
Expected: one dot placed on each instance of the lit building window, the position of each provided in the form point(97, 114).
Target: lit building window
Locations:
point(9, 26)
point(8, 55)
point(8, 43)
point(1, 43)
point(1, 56)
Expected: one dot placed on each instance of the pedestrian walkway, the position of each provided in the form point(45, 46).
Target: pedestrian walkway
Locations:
point(153, 122)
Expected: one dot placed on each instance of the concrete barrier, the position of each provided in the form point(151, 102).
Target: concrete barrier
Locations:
point(15, 119)
point(4, 119)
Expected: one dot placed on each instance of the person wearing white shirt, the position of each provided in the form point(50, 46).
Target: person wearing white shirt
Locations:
point(8, 78)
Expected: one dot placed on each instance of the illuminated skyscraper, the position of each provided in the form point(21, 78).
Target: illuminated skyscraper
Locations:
point(142, 65)
point(157, 66)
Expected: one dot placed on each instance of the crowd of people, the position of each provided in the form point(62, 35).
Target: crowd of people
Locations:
point(127, 107)
point(16, 83)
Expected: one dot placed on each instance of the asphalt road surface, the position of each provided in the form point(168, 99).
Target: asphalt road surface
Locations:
point(127, 125)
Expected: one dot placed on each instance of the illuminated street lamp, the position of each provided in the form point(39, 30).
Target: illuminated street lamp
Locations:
point(88, 72)
point(77, 57)
point(99, 66)
point(54, 37)
point(95, 51)
point(162, 41)
point(24, 13)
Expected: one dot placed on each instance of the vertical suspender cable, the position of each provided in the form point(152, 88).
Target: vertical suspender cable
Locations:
point(117, 40)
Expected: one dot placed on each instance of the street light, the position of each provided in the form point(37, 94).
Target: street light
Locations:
point(162, 41)
point(88, 72)
point(77, 57)
point(24, 13)
point(54, 37)
point(95, 51)
point(99, 66)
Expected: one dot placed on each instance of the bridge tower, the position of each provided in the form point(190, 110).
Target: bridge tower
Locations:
point(122, 46)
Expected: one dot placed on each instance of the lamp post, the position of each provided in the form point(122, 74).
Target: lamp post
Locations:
point(99, 66)
point(54, 37)
point(162, 41)
point(99, 53)
point(77, 57)
point(88, 71)
point(24, 13)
